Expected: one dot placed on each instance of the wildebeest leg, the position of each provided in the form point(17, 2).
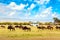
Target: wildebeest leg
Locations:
point(52, 28)
point(42, 28)
point(13, 29)
point(10, 29)
point(26, 30)
point(29, 29)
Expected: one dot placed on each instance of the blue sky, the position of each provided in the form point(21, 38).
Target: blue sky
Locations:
point(29, 10)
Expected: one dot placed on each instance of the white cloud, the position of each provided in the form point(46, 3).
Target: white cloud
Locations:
point(4, 9)
point(37, 16)
point(42, 1)
point(13, 6)
point(31, 7)
point(54, 14)
point(12, 13)
point(45, 13)
point(27, 15)
point(47, 10)
point(1, 10)
point(12, 10)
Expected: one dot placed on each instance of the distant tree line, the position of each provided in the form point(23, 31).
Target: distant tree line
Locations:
point(14, 23)
point(56, 21)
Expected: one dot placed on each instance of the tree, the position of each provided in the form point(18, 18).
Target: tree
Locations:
point(56, 20)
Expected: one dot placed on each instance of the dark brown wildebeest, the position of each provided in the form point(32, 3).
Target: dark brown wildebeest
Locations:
point(41, 27)
point(11, 28)
point(16, 26)
point(2, 26)
point(26, 28)
point(49, 27)
point(57, 27)
point(20, 26)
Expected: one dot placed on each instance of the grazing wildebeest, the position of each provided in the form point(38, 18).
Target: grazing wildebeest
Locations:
point(57, 27)
point(2, 26)
point(26, 28)
point(10, 27)
point(16, 26)
point(20, 26)
point(49, 27)
point(41, 27)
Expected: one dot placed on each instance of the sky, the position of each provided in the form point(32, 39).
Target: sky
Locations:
point(29, 10)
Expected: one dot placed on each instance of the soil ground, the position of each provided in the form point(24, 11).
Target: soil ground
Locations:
point(34, 38)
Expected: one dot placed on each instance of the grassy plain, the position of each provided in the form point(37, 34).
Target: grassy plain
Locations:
point(19, 33)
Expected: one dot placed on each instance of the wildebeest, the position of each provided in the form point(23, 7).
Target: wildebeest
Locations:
point(41, 27)
point(20, 26)
point(10, 27)
point(2, 26)
point(57, 27)
point(16, 26)
point(49, 27)
point(26, 28)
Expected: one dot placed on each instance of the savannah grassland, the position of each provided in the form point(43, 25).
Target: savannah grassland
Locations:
point(34, 34)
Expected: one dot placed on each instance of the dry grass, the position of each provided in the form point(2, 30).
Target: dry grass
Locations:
point(19, 33)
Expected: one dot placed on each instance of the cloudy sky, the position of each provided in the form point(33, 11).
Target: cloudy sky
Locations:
point(29, 10)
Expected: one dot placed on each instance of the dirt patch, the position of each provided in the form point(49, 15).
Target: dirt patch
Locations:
point(34, 38)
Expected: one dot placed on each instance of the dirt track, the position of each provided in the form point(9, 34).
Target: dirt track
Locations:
point(35, 38)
